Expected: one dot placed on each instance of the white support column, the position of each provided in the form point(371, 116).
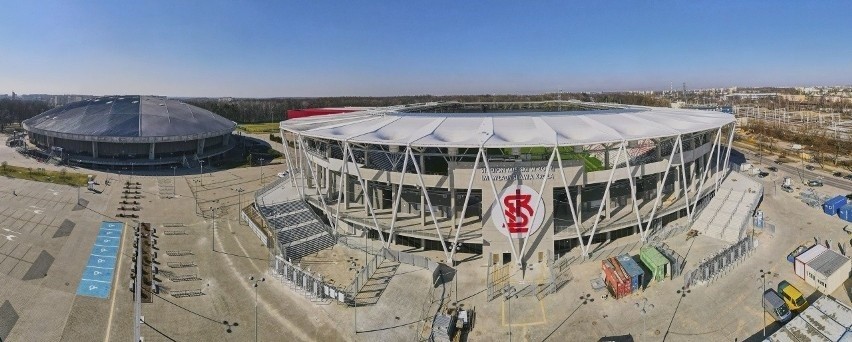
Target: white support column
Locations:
point(730, 142)
point(361, 181)
point(633, 197)
point(317, 188)
point(464, 208)
point(660, 189)
point(606, 193)
point(571, 206)
point(716, 141)
point(398, 198)
point(431, 210)
point(291, 171)
point(499, 202)
point(537, 201)
point(341, 189)
point(684, 187)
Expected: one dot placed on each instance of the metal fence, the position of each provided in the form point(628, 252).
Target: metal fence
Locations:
point(498, 278)
point(311, 285)
point(411, 259)
point(713, 267)
point(661, 234)
point(364, 275)
point(678, 262)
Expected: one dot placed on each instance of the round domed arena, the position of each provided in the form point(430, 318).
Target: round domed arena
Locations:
point(130, 129)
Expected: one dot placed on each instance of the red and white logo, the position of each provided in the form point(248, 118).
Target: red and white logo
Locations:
point(513, 211)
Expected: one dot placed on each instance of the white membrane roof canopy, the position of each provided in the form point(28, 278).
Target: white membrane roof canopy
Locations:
point(502, 130)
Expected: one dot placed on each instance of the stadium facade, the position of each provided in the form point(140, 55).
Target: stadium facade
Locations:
point(517, 182)
point(125, 130)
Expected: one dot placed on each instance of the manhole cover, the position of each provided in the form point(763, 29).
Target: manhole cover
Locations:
point(656, 332)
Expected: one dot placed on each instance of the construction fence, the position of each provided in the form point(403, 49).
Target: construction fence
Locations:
point(498, 279)
point(364, 274)
point(309, 284)
point(714, 266)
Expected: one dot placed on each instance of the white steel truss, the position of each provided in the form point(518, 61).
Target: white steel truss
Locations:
point(660, 188)
point(429, 204)
point(367, 202)
point(464, 207)
point(482, 157)
point(538, 197)
point(317, 186)
point(713, 149)
point(571, 206)
point(497, 199)
point(605, 196)
point(398, 198)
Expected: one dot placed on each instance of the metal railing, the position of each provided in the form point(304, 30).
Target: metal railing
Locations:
point(713, 267)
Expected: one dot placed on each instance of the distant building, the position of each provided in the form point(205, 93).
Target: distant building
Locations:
point(131, 130)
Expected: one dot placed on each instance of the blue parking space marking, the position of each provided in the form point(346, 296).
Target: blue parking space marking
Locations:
point(108, 233)
point(98, 274)
point(93, 289)
point(105, 250)
point(101, 261)
point(108, 241)
point(96, 280)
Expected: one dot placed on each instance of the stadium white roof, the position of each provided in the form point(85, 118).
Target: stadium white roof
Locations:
point(502, 130)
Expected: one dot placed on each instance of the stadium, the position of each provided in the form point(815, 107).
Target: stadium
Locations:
point(130, 130)
point(518, 183)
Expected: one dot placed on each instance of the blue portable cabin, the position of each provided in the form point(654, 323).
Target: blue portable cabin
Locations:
point(834, 204)
point(633, 270)
point(845, 212)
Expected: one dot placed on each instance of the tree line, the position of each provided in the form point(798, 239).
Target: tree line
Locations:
point(13, 111)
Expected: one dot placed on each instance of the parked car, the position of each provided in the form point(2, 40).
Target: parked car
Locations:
point(762, 174)
point(849, 197)
point(773, 169)
point(848, 177)
point(810, 167)
point(815, 182)
point(837, 174)
point(778, 162)
point(792, 296)
point(775, 306)
point(283, 174)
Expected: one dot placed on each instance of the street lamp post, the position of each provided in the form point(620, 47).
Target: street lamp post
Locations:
point(201, 173)
point(261, 171)
point(174, 181)
point(256, 282)
point(239, 204)
point(763, 275)
point(644, 307)
point(213, 239)
point(508, 293)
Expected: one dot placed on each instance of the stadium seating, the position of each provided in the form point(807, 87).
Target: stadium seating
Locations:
point(297, 230)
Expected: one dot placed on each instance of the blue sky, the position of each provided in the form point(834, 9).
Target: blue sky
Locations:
point(318, 48)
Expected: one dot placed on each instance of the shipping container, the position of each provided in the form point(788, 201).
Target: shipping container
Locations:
point(845, 212)
point(655, 261)
point(616, 282)
point(634, 271)
point(805, 257)
point(832, 205)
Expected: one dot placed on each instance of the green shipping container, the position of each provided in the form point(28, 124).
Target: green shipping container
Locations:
point(654, 261)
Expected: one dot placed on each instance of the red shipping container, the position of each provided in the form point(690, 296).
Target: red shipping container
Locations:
point(616, 279)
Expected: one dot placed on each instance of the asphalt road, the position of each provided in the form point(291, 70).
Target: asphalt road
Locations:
point(796, 169)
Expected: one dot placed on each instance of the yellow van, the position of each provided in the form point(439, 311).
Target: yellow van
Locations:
point(792, 296)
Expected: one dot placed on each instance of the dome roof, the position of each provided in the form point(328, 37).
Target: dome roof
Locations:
point(130, 118)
